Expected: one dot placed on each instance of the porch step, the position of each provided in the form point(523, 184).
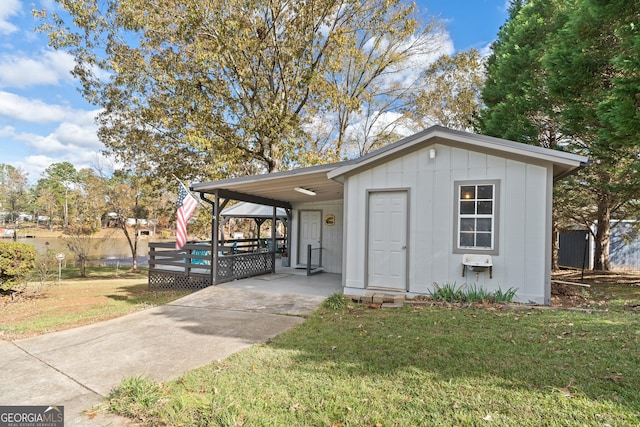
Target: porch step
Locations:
point(316, 270)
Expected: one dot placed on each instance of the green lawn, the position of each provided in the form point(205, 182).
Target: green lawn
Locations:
point(414, 366)
point(76, 301)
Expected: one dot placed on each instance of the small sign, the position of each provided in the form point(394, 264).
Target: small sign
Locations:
point(330, 220)
point(32, 416)
point(60, 256)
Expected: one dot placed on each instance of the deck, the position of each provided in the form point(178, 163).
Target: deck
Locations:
point(190, 267)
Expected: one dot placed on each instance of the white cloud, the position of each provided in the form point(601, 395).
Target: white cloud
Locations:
point(68, 138)
point(7, 131)
point(74, 138)
point(485, 51)
point(34, 166)
point(8, 8)
point(17, 107)
point(408, 72)
point(68, 143)
point(47, 67)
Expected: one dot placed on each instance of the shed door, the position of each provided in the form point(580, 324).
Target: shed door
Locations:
point(387, 240)
point(310, 234)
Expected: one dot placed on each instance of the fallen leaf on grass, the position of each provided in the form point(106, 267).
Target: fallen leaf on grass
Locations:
point(615, 378)
point(296, 407)
point(566, 391)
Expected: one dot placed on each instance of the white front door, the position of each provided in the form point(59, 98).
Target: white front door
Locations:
point(310, 234)
point(387, 240)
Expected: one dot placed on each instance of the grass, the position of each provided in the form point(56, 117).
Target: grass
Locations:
point(354, 366)
point(77, 301)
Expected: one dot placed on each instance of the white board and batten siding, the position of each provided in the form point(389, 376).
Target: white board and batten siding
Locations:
point(331, 235)
point(524, 199)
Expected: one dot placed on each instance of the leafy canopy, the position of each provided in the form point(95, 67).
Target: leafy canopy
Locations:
point(213, 88)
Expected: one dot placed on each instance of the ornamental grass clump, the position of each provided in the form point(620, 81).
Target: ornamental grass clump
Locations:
point(335, 302)
point(446, 293)
point(474, 293)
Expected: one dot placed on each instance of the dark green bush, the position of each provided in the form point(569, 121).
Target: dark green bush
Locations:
point(17, 260)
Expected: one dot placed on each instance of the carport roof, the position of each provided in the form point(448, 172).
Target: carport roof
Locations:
point(278, 188)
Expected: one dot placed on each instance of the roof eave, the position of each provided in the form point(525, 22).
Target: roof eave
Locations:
point(480, 141)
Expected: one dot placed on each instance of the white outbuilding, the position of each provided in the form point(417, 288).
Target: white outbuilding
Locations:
point(440, 206)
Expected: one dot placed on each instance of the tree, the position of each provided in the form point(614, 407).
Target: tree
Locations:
point(213, 88)
point(593, 71)
point(128, 195)
point(372, 80)
point(79, 239)
point(450, 92)
point(517, 105)
point(13, 190)
point(45, 201)
point(546, 81)
point(60, 179)
point(92, 204)
point(515, 94)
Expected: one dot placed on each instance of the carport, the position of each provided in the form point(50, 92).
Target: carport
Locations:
point(202, 264)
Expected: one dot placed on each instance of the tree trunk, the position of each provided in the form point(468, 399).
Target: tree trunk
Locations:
point(133, 243)
point(601, 253)
point(83, 266)
point(555, 244)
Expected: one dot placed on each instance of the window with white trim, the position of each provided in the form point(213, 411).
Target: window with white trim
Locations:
point(476, 217)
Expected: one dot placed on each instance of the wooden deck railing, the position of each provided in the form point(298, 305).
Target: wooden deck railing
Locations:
point(190, 267)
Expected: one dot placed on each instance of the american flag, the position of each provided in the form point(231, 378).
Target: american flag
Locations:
point(186, 205)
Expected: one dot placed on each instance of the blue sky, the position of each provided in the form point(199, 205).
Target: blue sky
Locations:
point(44, 120)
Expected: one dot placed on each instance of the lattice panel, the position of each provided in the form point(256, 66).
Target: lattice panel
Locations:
point(245, 265)
point(170, 280)
point(229, 268)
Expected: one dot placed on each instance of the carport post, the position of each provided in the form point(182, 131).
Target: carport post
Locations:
point(214, 239)
point(273, 241)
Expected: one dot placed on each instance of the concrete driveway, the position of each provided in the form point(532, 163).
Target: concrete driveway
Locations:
point(77, 368)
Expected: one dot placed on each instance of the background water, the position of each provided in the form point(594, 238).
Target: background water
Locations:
point(104, 251)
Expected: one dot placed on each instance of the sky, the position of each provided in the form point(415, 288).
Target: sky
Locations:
point(44, 120)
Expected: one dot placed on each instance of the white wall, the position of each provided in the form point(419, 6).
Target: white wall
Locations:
point(524, 224)
point(331, 235)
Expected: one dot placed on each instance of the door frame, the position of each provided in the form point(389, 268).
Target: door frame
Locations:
point(301, 252)
point(407, 191)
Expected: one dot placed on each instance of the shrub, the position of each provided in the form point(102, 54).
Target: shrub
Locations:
point(16, 262)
